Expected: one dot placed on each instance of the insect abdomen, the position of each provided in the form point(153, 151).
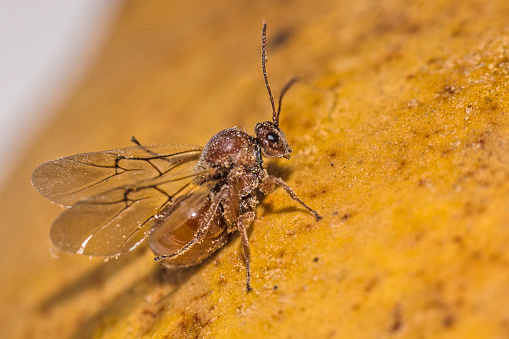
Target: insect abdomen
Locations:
point(178, 226)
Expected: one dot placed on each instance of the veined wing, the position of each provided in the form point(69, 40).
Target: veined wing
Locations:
point(78, 177)
point(115, 195)
point(118, 220)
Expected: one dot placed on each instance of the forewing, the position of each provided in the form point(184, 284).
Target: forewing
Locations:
point(117, 221)
point(69, 180)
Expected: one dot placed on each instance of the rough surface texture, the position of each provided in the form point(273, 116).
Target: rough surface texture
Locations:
point(400, 141)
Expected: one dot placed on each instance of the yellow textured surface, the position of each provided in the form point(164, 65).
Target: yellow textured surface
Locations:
point(400, 141)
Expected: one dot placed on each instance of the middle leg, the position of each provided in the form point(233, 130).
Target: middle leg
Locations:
point(245, 220)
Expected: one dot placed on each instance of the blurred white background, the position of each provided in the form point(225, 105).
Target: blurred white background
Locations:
point(45, 47)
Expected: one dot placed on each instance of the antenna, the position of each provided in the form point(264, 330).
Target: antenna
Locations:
point(283, 91)
point(275, 115)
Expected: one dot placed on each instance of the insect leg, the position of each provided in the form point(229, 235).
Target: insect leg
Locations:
point(269, 184)
point(231, 208)
point(245, 220)
point(204, 225)
point(135, 141)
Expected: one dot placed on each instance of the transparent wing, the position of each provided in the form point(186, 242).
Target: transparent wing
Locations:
point(115, 195)
point(71, 179)
point(114, 222)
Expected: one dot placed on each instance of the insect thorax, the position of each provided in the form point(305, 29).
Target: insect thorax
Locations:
point(231, 148)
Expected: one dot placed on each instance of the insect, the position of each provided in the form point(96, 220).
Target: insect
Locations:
point(185, 199)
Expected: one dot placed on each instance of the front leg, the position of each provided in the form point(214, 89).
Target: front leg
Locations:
point(269, 183)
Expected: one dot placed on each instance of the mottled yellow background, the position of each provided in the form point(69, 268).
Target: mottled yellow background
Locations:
point(400, 136)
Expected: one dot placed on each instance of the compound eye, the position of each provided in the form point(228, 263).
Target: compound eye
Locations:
point(273, 138)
